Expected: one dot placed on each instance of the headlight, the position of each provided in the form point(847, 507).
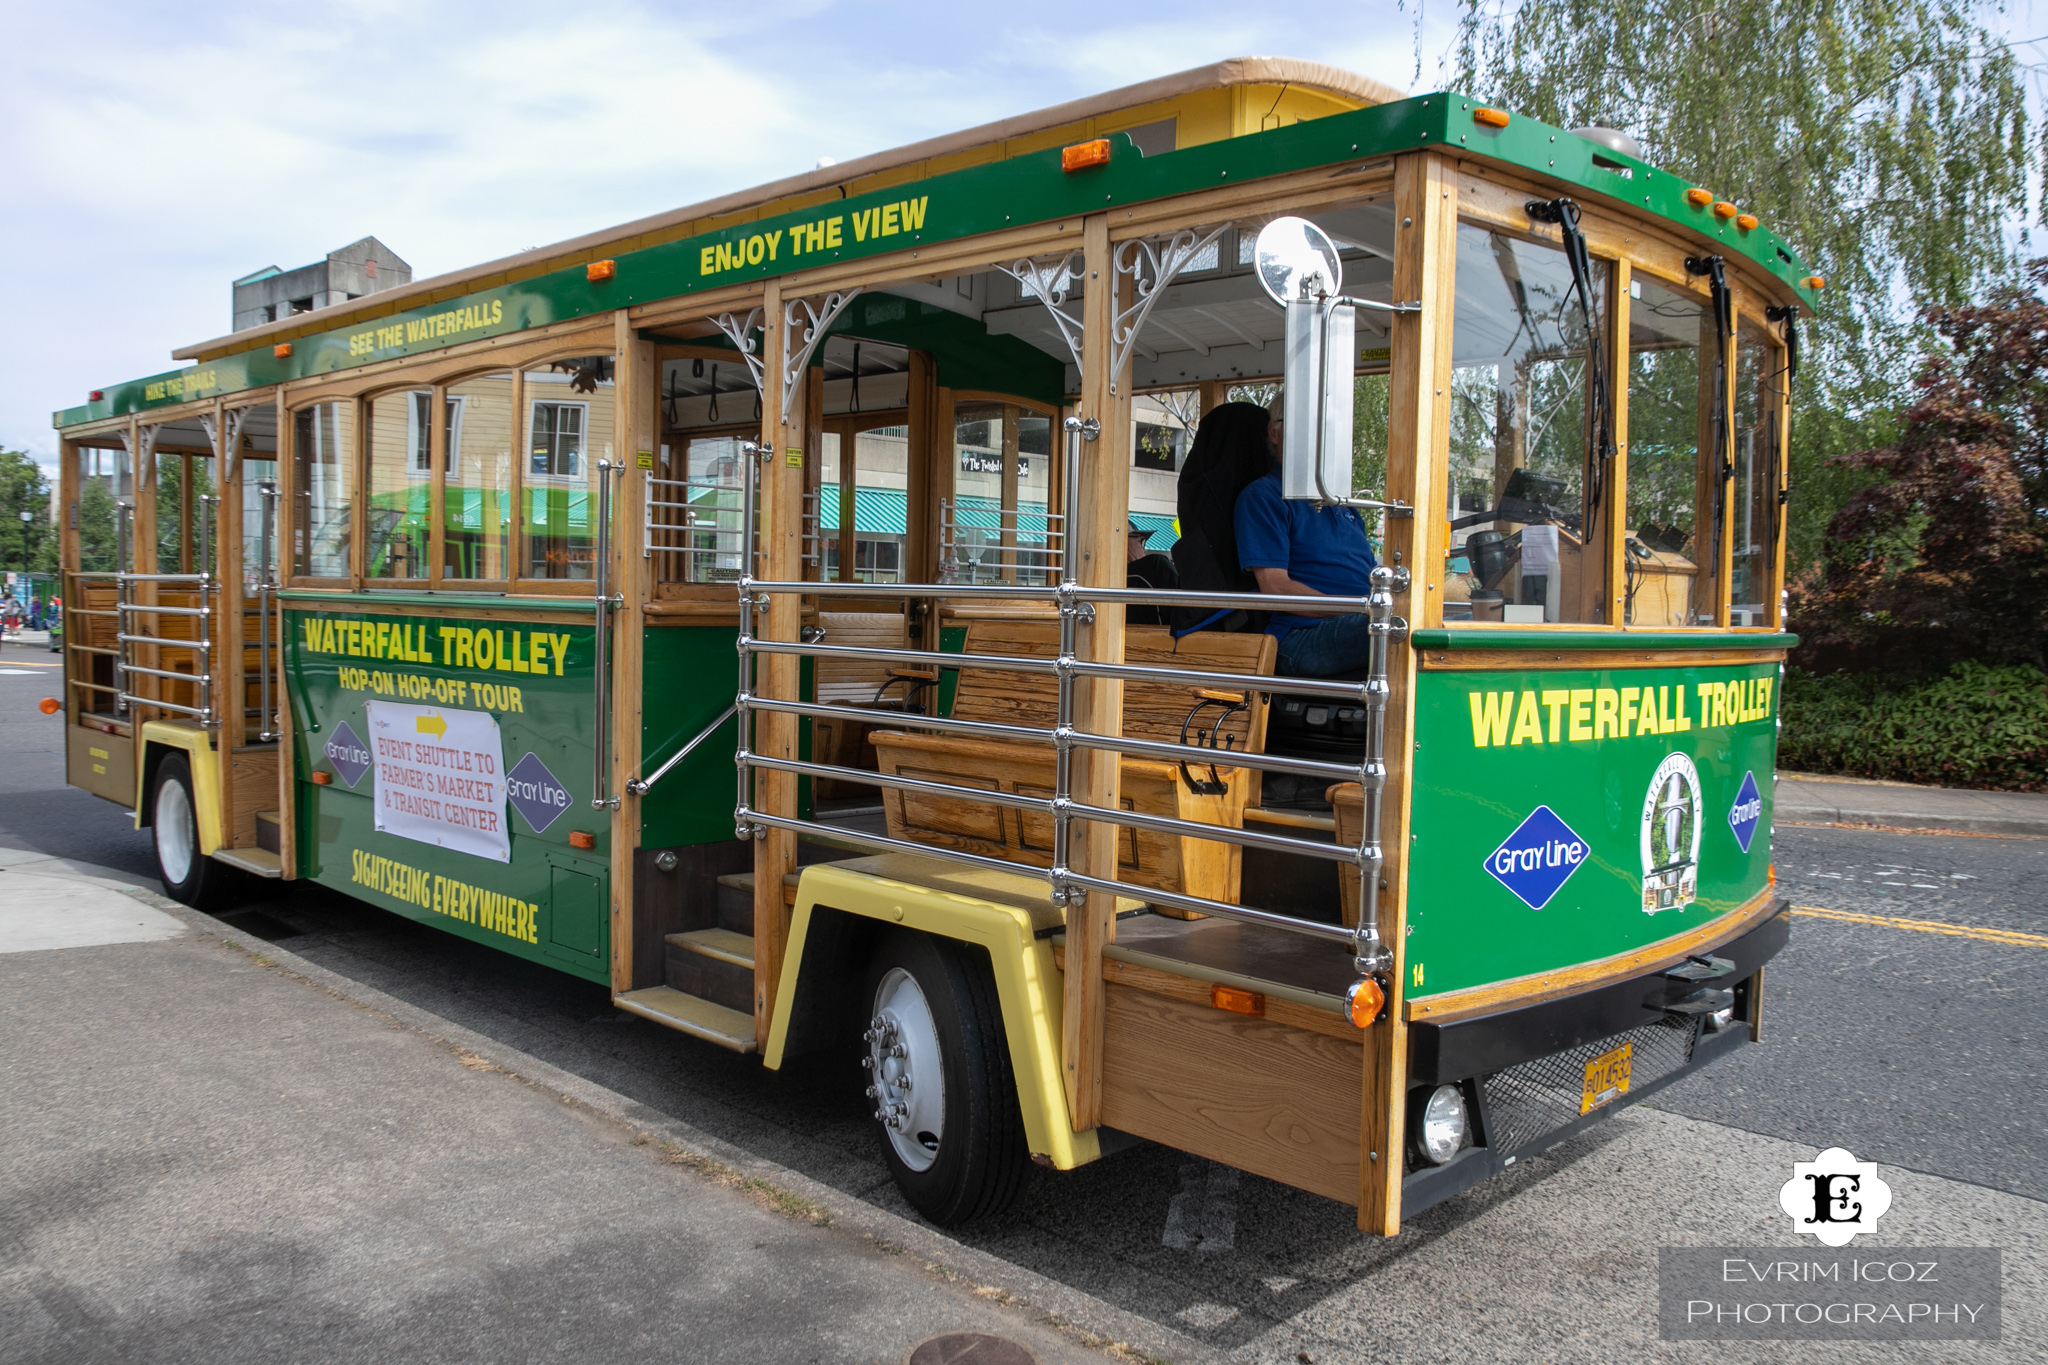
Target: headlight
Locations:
point(1443, 1124)
point(1720, 1019)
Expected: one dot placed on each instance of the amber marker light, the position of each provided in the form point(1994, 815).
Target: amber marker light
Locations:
point(1771, 873)
point(582, 838)
point(1814, 282)
point(1237, 1001)
point(49, 706)
point(283, 350)
point(1082, 155)
point(321, 779)
point(1491, 118)
point(1699, 198)
point(1724, 209)
point(600, 270)
point(1747, 222)
point(1363, 1002)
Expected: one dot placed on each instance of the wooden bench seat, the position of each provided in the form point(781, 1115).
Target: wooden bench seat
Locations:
point(854, 682)
point(1152, 710)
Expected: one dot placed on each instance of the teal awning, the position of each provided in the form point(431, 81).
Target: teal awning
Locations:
point(876, 511)
point(1163, 535)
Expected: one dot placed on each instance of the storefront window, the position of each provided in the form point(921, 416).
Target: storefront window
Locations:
point(476, 503)
point(324, 477)
point(568, 430)
point(396, 519)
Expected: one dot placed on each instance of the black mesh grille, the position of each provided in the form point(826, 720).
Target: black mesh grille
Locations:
point(1528, 1102)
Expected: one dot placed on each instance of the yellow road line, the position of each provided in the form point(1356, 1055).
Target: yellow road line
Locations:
point(2010, 937)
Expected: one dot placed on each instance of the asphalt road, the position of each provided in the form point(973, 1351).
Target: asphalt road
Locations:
point(1914, 1049)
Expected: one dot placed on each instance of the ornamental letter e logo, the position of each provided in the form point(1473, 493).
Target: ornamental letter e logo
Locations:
point(1835, 1197)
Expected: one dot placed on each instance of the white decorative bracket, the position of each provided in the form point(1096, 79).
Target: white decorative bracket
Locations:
point(798, 357)
point(1151, 263)
point(740, 332)
point(229, 450)
point(1050, 280)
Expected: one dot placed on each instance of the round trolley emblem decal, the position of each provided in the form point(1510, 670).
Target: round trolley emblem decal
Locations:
point(1671, 836)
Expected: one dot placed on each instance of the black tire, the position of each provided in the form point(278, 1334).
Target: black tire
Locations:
point(981, 1159)
point(174, 828)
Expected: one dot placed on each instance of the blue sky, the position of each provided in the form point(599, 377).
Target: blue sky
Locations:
point(152, 154)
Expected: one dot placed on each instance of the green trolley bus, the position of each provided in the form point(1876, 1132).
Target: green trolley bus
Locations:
point(731, 608)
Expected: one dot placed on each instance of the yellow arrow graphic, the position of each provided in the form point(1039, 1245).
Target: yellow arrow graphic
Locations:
point(430, 724)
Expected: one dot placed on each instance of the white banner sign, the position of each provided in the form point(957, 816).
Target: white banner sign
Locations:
point(440, 777)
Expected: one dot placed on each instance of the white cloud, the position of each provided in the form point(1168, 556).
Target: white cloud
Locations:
point(155, 154)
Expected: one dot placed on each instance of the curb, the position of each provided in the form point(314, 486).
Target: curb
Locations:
point(1798, 813)
point(1096, 1323)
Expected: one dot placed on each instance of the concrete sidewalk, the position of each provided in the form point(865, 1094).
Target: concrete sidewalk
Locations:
point(212, 1154)
point(1813, 799)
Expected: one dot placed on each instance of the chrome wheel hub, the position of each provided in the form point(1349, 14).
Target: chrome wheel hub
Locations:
point(906, 1079)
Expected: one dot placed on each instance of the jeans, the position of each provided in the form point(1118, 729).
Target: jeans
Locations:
point(1341, 644)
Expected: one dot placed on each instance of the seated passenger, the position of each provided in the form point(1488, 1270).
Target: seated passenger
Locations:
point(1231, 450)
point(1297, 549)
point(1149, 570)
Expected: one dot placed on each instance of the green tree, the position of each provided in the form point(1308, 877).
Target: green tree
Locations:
point(1889, 142)
point(32, 544)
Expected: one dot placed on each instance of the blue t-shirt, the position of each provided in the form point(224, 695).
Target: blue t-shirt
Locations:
point(1326, 548)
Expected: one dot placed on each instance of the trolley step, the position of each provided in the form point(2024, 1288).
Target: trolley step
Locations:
point(712, 964)
point(259, 862)
point(720, 945)
point(690, 1014)
point(269, 832)
point(736, 899)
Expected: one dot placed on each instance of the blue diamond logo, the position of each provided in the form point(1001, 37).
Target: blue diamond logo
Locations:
point(346, 751)
point(535, 793)
point(1747, 811)
point(1538, 858)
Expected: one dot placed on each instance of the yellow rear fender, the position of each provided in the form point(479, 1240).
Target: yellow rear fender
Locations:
point(157, 738)
point(1028, 984)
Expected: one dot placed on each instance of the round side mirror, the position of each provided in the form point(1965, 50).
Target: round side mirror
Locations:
point(1292, 253)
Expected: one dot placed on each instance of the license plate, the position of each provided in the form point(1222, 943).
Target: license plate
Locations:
point(1606, 1078)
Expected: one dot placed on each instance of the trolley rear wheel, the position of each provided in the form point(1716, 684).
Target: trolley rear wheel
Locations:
point(939, 1077)
point(188, 875)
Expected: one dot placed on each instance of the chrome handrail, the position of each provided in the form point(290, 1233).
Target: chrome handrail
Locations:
point(600, 778)
point(641, 786)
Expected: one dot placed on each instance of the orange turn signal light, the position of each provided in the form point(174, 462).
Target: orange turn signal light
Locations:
point(1082, 155)
point(321, 779)
point(582, 838)
point(49, 706)
point(1699, 198)
point(283, 350)
point(1747, 222)
point(1492, 118)
point(1237, 1001)
point(1814, 282)
point(1724, 209)
point(1363, 1002)
point(600, 270)
point(1771, 873)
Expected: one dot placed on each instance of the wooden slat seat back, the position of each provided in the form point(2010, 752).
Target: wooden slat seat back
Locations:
point(853, 682)
point(1152, 710)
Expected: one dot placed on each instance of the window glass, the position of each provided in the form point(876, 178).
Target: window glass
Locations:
point(568, 429)
point(975, 524)
point(707, 512)
point(1669, 565)
point(1759, 385)
point(178, 509)
point(476, 504)
point(256, 471)
point(1520, 435)
point(103, 482)
point(324, 460)
point(396, 521)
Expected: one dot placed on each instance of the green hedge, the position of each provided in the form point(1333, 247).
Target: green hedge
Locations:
point(1981, 726)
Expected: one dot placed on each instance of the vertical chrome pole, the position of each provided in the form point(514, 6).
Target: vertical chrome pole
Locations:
point(600, 778)
point(1077, 429)
point(1373, 956)
point(751, 453)
point(266, 490)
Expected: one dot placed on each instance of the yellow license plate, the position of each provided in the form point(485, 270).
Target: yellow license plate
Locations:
point(1606, 1078)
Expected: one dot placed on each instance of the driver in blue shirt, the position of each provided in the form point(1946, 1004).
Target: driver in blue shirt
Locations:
point(1296, 549)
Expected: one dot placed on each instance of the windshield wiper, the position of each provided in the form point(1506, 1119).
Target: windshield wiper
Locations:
point(1565, 213)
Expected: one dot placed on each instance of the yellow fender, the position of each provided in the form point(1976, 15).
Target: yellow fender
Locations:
point(1028, 984)
point(198, 749)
